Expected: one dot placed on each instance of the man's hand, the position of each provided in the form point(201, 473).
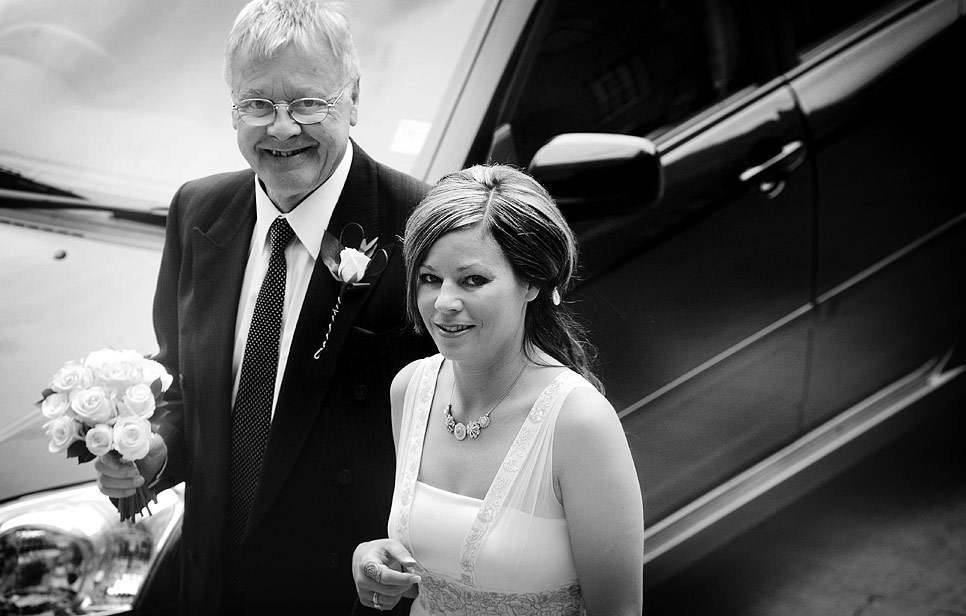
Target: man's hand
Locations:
point(118, 478)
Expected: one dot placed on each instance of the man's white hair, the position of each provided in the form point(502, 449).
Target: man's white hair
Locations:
point(265, 27)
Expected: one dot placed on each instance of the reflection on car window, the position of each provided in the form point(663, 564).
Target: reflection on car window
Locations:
point(633, 68)
point(816, 21)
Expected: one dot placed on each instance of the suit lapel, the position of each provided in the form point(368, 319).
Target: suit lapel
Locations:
point(307, 380)
point(219, 254)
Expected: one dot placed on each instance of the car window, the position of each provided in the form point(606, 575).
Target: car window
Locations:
point(637, 68)
point(815, 22)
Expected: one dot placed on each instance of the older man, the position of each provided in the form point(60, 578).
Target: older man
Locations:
point(279, 418)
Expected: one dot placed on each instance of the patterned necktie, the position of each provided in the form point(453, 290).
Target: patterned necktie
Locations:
point(252, 414)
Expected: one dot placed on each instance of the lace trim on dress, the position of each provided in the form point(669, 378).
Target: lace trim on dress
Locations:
point(441, 596)
point(492, 506)
point(414, 452)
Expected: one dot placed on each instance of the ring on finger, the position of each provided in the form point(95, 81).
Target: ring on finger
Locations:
point(375, 601)
point(373, 572)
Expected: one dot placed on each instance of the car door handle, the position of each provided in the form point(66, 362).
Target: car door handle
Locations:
point(766, 174)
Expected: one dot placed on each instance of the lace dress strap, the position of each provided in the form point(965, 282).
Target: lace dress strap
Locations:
point(419, 399)
point(547, 405)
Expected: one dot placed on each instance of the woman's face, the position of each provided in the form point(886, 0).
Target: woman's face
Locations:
point(470, 300)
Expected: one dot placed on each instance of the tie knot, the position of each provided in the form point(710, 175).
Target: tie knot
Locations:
point(281, 234)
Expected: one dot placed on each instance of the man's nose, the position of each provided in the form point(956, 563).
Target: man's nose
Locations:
point(283, 126)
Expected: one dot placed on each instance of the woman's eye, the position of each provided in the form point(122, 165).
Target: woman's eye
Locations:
point(475, 280)
point(428, 279)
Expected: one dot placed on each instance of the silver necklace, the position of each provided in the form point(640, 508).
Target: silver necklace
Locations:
point(472, 429)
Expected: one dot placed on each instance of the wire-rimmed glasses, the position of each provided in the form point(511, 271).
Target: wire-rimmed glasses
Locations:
point(261, 111)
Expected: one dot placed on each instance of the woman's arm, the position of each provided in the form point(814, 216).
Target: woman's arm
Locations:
point(602, 501)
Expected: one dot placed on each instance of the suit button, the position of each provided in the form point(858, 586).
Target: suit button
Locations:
point(332, 560)
point(345, 476)
point(362, 392)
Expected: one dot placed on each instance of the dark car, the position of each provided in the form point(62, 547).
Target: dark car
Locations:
point(767, 194)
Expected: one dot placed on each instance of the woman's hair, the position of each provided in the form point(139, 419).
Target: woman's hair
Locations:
point(535, 238)
point(264, 27)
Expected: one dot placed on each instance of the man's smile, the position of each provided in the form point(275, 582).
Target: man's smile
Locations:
point(285, 153)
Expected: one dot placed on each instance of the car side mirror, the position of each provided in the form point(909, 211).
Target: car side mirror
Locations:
point(594, 174)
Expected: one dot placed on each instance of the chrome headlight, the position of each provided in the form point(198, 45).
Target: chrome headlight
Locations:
point(66, 552)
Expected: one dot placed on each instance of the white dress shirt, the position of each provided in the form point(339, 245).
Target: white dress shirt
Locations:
point(309, 219)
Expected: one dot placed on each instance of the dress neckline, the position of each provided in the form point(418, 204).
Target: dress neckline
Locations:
point(491, 507)
point(515, 443)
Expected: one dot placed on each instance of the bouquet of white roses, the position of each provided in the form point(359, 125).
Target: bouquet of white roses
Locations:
point(103, 403)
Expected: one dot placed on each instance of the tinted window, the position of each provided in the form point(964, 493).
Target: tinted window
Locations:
point(816, 21)
point(633, 68)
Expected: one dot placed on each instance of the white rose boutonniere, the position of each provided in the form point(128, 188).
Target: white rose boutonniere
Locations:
point(352, 265)
point(353, 262)
point(102, 404)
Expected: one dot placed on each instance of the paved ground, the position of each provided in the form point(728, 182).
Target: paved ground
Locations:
point(887, 538)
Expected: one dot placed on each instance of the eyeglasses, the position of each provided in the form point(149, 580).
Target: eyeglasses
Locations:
point(261, 111)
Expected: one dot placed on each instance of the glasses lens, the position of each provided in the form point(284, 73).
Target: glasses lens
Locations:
point(261, 111)
point(256, 111)
point(309, 110)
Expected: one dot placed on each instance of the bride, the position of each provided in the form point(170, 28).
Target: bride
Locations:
point(515, 488)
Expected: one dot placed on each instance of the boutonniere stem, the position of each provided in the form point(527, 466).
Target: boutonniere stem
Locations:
point(353, 262)
point(335, 313)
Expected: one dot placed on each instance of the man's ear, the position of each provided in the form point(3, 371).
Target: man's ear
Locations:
point(354, 99)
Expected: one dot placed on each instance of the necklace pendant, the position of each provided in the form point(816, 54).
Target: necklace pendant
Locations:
point(473, 429)
point(459, 431)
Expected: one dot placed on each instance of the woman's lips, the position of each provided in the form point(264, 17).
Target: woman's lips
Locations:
point(452, 329)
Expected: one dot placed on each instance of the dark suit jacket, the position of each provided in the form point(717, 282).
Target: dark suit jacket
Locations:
point(327, 476)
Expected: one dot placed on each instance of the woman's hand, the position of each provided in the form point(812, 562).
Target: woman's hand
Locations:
point(383, 573)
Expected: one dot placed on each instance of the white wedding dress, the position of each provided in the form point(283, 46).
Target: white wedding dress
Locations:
point(506, 554)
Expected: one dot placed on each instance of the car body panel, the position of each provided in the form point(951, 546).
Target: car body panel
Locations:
point(787, 290)
point(64, 295)
point(707, 386)
point(891, 223)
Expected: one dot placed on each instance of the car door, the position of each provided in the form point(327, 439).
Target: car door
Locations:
point(697, 293)
point(886, 117)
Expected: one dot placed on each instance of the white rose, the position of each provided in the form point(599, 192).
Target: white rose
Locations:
point(138, 401)
point(92, 405)
point(132, 437)
point(96, 360)
point(99, 439)
point(62, 432)
point(352, 265)
point(72, 375)
point(152, 371)
point(55, 405)
point(118, 369)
